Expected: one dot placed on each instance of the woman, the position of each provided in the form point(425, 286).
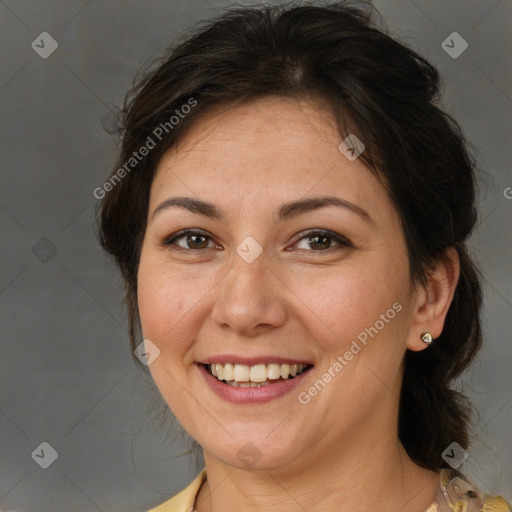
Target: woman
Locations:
point(289, 213)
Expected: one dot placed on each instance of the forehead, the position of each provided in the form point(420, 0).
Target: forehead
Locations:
point(262, 129)
point(273, 147)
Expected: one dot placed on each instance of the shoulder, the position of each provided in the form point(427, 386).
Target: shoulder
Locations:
point(184, 500)
point(456, 493)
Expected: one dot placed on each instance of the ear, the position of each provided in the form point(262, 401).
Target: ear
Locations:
point(433, 300)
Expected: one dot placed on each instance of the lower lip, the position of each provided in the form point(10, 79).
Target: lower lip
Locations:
point(261, 395)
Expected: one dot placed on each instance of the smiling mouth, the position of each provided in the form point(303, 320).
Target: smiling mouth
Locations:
point(257, 376)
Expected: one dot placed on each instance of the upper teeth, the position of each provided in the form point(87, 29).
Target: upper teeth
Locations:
point(256, 373)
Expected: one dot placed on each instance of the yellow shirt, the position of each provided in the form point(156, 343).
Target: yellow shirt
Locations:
point(455, 494)
point(183, 501)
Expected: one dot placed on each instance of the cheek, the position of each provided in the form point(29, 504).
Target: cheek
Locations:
point(173, 304)
point(165, 312)
point(345, 300)
point(162, 305)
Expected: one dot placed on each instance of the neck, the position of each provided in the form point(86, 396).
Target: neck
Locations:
point(362, 477)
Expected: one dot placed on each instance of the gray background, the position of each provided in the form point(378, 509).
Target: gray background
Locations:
point(67, 377)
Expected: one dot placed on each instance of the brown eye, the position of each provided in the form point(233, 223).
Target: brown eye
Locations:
point(321, 241)
point(191, 240)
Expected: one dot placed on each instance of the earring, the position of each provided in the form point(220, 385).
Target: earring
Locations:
point(426, 337)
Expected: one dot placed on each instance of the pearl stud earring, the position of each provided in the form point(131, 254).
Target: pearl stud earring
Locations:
point(426, 337)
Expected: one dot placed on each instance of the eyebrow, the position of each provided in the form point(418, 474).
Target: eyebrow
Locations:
point(286, 211)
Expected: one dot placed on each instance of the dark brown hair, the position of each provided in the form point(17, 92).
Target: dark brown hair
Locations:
point(378, 89)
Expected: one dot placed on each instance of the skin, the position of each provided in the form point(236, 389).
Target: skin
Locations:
point(340, 451)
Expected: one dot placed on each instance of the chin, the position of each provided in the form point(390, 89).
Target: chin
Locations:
point(256, 452)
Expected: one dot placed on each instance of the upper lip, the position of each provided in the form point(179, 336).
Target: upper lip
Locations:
point(251, 361)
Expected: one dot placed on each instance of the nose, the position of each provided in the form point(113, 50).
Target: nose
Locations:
point(250, 299)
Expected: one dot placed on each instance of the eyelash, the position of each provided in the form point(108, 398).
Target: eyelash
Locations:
point(343, 242)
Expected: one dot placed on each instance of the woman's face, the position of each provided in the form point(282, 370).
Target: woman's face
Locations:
point(267, 284)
